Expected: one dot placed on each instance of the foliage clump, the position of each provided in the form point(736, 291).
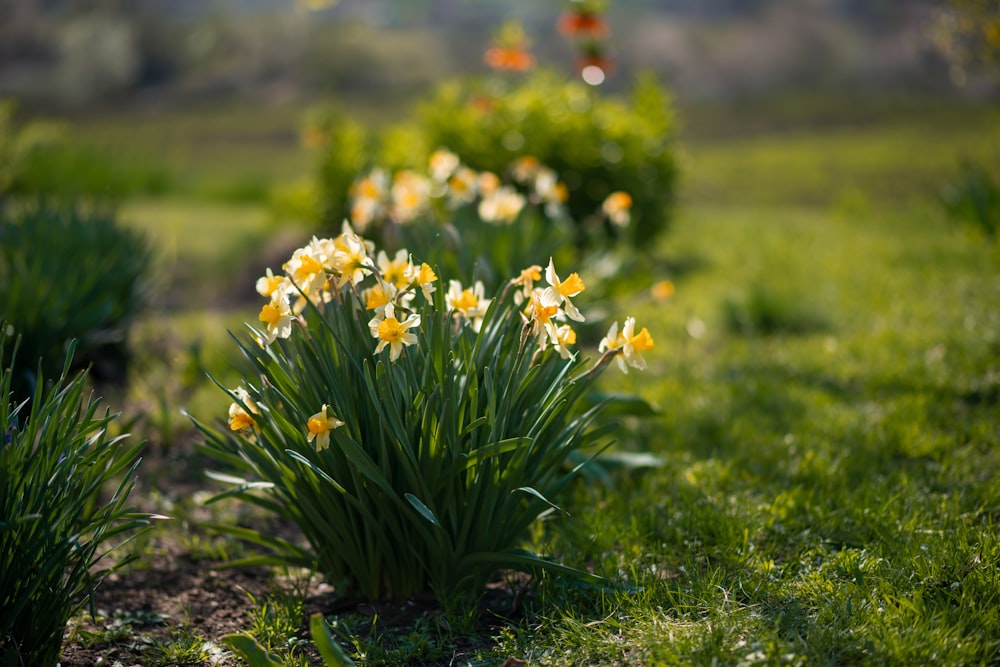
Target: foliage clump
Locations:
point(69, 274)
point(57, 455)
point(412, 433)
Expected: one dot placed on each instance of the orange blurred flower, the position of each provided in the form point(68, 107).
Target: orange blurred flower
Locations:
point(512, 58)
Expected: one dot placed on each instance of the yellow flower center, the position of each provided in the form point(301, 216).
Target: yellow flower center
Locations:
point(376, 298)
point(467, 301)
point(427, 275)
point(642, 340)
point(567, 337)
point(272, 283)
point(270, 314)
point(572, 286)
point(240, 420)
point(308, 266)
point(390, 330)
point(318, 426)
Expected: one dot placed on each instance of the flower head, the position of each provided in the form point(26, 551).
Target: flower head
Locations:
point(617, 208)
point(394, 270)
point(390, 331)
point(470, 302)
point(630, 343)
point(442, 164)
point(319, 427)
point(562, 290)
point(423, 276)
point(503, 205)
point(526, 282)
point(239, 418)
point(277, 316)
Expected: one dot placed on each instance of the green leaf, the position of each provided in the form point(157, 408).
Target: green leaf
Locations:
point(329, 649)
point(247, 648)
point(424, 510)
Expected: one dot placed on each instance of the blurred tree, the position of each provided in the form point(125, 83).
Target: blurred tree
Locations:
point(967, 33)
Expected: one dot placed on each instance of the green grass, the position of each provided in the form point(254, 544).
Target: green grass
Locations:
point(829, 493)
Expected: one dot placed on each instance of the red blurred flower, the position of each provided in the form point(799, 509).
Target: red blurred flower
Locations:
point(582, 24)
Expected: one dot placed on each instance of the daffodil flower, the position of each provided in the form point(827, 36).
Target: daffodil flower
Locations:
point(390, 331)
point(630, 344)
point(502, 206)
point(268, 284)
point(565, 336)
point(394, 270)
point(617, 207)
point(463, 186)
point(542, 308)
point(319, 427)
point(277, 315)
point(469, 302)
point(239, 418)
point(423, 276)
point(409, 194)
point(562, 290)
point(442, 164)
point(526, 281)
point(351, 261)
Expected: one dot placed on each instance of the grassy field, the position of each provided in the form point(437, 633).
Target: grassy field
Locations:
point(828, 375)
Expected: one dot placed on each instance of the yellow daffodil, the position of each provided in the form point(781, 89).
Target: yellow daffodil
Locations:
point(630, 344)
point(565, 336)
point(390, 331)
point(524, 168)
point(634, 343)
point(463, 186)
point(277, 316)
point(239, 418)
point(379, 295)
point(503, 206)
point(562, 290)
point(526, 282)
point(617, 207)
point(350, 260)
point(442, 164)
point(542, 308)
point(307, 272)
point(469, 302)
point(394, 270)
point(409, 195)
point(319, 427)
point(488, 183)
point(270, 283)
point(423, 276)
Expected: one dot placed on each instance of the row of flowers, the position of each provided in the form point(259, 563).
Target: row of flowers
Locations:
point(318, 272)
point(408, 195)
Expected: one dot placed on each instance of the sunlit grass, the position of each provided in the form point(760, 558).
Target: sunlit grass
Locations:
point(829, 493)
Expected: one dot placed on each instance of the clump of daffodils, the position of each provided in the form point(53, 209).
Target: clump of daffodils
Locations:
point(324, 270)
point(412, 425)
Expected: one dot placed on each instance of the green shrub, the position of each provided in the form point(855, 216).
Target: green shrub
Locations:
point(67, 274)
point(56, 457)
point(413, 433)
point(974, 199)
point(598, 144)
